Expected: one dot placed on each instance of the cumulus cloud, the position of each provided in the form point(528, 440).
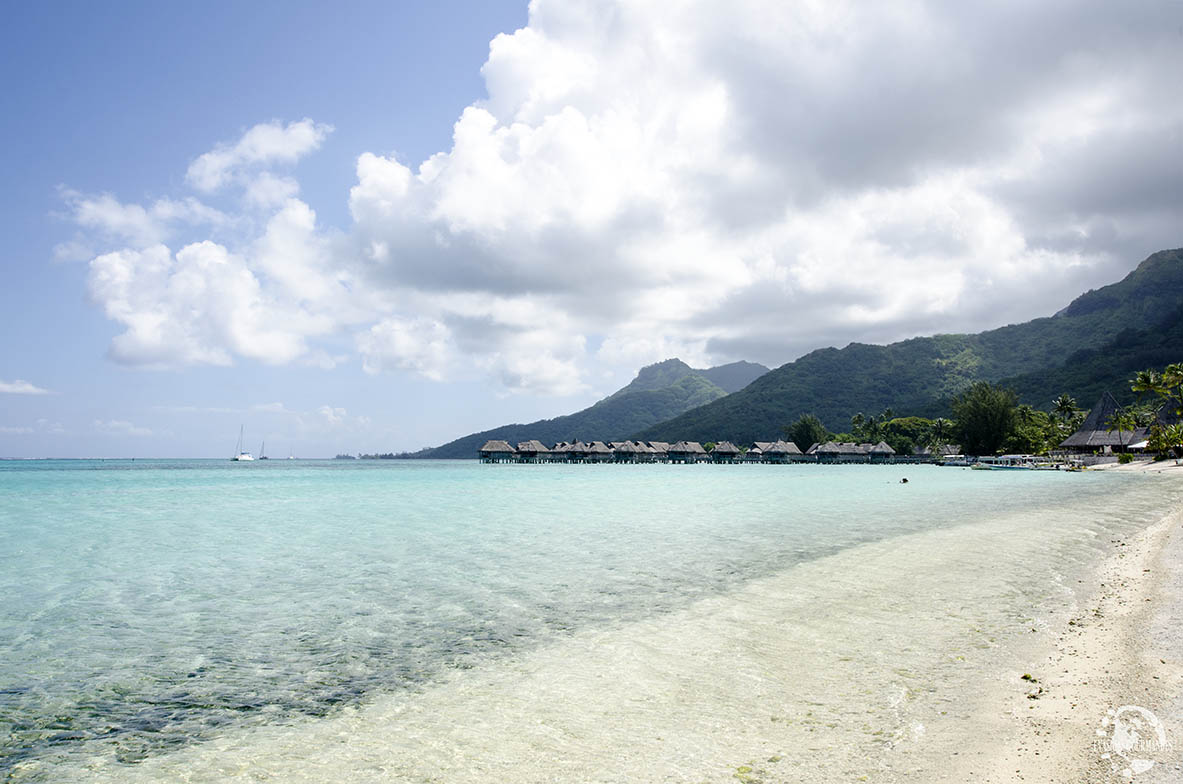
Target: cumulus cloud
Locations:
point(21, 387)
point(263, 145)
point(720, 181)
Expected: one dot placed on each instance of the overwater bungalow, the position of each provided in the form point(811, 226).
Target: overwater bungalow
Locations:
point(755, 452)
point(781, 451)
point(576, 452)
point(599, 452)
point(687, 452)
point(661, 450)
point(496, 451)
point(842, 452)
point(881, 452)
point(646, 453)
point(725, 452)
point(532, 451)
point(625, 451)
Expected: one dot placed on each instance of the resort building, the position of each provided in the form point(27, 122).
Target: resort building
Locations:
point(778, 452)
point(755, 452)
point(497, 452)
point(725, 452)
point(782, 451)
point(533, 451)
point(847, 452)
point(881, 452)
point(1096, 434)
point(687, 452)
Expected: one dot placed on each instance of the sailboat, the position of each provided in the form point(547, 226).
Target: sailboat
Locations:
point(240, 454)
point(262, 453)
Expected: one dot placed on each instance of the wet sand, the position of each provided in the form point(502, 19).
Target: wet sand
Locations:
point(1123, 646)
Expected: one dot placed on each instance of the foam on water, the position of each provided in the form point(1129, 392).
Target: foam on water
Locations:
point(459, 621)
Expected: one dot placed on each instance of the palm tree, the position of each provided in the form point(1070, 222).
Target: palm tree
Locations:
point(1123, 419)
point(1064, 407)
point(941, 430)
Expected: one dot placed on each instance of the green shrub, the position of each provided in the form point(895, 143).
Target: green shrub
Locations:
point(1125, 457)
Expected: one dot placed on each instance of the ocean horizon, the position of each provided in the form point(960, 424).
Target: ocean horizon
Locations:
point(206, 618)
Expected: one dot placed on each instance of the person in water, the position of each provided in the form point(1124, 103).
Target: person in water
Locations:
point(904, 481)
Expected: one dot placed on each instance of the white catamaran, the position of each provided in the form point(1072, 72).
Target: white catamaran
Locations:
point(240, 454)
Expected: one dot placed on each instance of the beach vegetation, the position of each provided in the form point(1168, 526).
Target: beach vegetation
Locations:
point(986, 417)
point(807, 431)
point(1163, 435)
point(1125, 457)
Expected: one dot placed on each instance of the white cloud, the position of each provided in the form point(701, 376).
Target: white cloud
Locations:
point(263, 145)
point(9, 430)
point(120, 427)
point(717, 181)
point(268, 190)
point(22, 387)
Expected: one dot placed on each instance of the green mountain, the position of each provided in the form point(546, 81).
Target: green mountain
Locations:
point(920, 375)
point(659, 392)
point(1089, 373)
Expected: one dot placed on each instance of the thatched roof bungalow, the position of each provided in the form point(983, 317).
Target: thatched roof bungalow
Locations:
point(755, 452)
point(599, 452)
point(532, 451)
point(625, 451)
point(1094, 434)
point(841, 452)
point(881, 452)
point(781, 451)
point(687, 452)
point(496, 451)
point(725, 452)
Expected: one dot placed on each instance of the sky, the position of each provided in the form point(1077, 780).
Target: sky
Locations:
point(382, 225)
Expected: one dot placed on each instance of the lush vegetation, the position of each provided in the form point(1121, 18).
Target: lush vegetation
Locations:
point(659, 392)
point(806, 431)
point(1165, 434)
point(923, 375)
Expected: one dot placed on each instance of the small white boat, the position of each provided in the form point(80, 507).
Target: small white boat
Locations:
point(240, 454)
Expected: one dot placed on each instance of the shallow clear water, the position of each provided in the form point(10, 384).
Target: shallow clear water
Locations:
point(154, 608)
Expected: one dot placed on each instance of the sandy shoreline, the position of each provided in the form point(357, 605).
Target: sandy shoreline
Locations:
point(1124, 646)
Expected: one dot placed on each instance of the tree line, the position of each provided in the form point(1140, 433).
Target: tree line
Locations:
point(987, 419)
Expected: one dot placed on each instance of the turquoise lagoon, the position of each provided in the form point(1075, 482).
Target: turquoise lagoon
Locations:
point(388, 620)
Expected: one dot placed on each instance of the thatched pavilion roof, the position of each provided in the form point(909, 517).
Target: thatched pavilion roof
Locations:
point(782, 447)
point(1094, 431)
point(497, 446)
point(882, 448)
point(725, 448)
point(691, 447)
point(533, 445)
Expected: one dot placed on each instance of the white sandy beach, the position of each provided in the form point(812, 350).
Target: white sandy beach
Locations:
point(1124, 646)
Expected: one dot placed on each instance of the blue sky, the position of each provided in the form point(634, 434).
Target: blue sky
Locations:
point(386, 225)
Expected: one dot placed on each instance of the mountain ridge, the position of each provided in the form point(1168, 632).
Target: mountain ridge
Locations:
point(658, 391)
point(920, 375)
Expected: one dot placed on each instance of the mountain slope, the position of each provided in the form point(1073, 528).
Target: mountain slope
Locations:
point(659, 392)
point(918, 376)
point(1088, 373)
